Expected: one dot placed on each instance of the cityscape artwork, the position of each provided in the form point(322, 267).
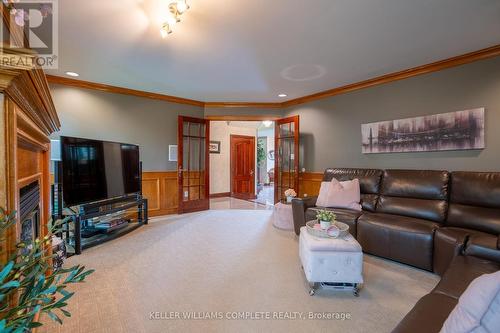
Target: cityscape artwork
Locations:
point(462, 130)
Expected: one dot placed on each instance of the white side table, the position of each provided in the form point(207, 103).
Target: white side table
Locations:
point(283, 216)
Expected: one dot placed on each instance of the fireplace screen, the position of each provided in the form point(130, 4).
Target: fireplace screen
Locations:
point(29, 210)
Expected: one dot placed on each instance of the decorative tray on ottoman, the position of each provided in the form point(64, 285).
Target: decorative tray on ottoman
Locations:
point(343, 230)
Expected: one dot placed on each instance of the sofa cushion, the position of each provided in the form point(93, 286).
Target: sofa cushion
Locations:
point(475, 201)
point(415, 193)
point(369, 181)
point(478, 309)
point(428, 315)
point(484, 246)
point(405, 239)
point(461, 272)
point(347, 216)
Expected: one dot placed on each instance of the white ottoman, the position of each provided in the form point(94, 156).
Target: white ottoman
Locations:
point(336, 263)
point(283, 216)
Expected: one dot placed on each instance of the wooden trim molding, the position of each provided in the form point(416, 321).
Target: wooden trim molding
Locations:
point(120, 90)
point(243, 105)
point(220, 195)
point(26, 85)
point(486, 53)
point(242, 118)
point(424, 69)
point(30, 91)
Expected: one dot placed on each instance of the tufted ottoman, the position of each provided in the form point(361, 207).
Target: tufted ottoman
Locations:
point(331, 262)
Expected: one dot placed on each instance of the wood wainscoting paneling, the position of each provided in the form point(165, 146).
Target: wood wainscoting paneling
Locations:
point(309, 183)
point(161, 190)
point(160, 187)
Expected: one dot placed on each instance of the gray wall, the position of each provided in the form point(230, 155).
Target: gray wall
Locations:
point(331, 128)
point(149, 123)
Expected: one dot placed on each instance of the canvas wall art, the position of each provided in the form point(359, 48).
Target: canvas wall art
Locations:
point(461, 130)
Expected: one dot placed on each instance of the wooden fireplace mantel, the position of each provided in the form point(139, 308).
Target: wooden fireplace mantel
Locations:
point(27, 118)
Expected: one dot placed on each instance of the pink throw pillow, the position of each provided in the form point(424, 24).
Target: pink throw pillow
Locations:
point(323, 194)
point(337, 194)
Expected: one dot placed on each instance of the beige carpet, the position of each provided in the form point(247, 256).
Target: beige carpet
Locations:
point(227, 261)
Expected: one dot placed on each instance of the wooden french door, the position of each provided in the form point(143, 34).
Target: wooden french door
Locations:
point(242, 167)
point(286, 157)
point(193, 164)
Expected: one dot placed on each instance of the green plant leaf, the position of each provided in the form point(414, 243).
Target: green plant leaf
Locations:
point(34, 324)
point(6, 270)
point(10, 284)
point(54, 317)
point(36, 287)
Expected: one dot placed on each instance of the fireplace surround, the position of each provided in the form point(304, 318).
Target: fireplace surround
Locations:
point(27, 119)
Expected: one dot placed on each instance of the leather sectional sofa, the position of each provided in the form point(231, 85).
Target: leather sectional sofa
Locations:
point(444, 222)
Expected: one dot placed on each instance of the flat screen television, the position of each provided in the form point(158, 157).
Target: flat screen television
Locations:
point(94, 170)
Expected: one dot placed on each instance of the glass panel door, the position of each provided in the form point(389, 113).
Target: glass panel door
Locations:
point(286, 157)
point(193, 141)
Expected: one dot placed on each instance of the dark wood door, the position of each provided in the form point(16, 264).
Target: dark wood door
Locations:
point(286, 157)
point(193, 164)
point(243, 167)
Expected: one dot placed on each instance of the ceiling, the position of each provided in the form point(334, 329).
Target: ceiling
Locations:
point(252, 50)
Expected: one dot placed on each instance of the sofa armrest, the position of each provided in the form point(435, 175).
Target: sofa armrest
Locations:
point(299, 207)
point(483, 247)
point(448, 243)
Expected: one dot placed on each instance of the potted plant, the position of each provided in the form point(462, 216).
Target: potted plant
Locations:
point(290, 194)
point(29, 287)
point(326, 218)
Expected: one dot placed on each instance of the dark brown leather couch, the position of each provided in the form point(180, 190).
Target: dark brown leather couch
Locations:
point(411, 207)
point(369, 180)
point(431, 311)
point(447, 223)
point(473, 218)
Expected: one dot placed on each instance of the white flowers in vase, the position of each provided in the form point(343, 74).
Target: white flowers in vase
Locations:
point(290, 194)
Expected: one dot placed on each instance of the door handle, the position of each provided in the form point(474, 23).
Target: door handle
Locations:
point(251, 172)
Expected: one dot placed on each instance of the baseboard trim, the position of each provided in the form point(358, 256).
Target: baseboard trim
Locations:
point(243, 197)
point(220, 195)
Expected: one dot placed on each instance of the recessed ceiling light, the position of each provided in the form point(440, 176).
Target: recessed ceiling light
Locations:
point(73, 74)
point(282, 95)
point(267, 123)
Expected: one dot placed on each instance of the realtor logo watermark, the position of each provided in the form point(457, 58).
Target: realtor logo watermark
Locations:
point(246, 315)
point(38, 21)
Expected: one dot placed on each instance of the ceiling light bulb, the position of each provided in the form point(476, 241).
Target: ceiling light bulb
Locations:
point(282, 95)
point(182, 6)
point(73, 74)
point(165, 30)
point(267, 123)
point(171, 20)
